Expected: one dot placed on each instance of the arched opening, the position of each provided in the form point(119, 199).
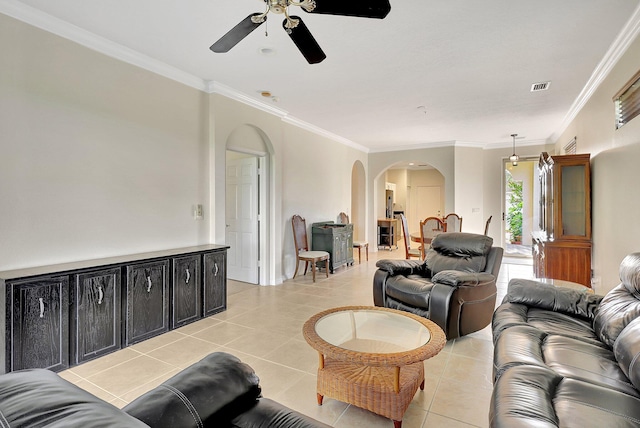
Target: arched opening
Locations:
point(417, 190)
point(248, 183)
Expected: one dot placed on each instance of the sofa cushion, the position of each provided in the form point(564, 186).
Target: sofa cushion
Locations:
point(215, 389)
point(512, 314)
point(570, 358)
point(627, 351)
point(557, 299)
point(41, 398)
point(532, 396)
point(622, 304)
point(465, 252)
point(630, 273)
point(402, 267)
point(617, 309)
point(412, 290)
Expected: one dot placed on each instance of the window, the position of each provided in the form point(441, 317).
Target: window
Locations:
point(627, 101)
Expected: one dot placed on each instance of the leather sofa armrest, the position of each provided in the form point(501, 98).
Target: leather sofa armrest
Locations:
point(269, 413)
point(210, 392)
point(546, 296)
point(456, 278)
point(403, 267)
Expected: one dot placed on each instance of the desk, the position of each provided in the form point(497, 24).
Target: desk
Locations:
point(388, 232)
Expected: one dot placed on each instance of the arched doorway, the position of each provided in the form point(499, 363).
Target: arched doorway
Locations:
point(247, 190)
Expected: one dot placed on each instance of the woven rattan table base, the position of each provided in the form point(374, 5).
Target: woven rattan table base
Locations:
point(370, 388)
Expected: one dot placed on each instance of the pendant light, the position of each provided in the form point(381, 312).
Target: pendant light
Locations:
point(514, 158)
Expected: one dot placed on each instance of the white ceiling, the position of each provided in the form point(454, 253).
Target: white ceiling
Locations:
point(470, 63)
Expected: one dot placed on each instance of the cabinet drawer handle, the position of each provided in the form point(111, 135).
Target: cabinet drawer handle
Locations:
point(100, 294)
point(188, 276)
point(148, 284)
point(215, 270)
point(41, 307)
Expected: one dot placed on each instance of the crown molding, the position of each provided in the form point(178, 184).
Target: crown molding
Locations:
point(316, 130)
point(414, 147)
point(44, 21)
point(617, 49)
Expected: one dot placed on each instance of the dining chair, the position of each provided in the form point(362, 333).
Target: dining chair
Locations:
point(429, 228)
point(408, 251)
point(344, 219)
point(302, 248)
point(486, 226)
point(453, 222)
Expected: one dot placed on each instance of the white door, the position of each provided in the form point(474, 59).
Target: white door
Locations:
point(242, 219)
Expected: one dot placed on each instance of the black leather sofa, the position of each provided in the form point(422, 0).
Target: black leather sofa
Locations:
point(566, 358)
point(218, 391)
point(455, 286)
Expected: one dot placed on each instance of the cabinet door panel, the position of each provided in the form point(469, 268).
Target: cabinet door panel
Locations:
point(147, 301)
point(187, 286)
point(96, 314)
point(215, 282)
point(40, 329)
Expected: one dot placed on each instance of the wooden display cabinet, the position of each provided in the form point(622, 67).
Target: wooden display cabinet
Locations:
point(562, 246)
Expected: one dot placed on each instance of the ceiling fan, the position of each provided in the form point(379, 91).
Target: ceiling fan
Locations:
point(295, 28)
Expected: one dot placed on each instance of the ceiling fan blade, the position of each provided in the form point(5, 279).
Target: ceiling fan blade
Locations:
point(364, 9)
point(305, 42)
point(236, 34)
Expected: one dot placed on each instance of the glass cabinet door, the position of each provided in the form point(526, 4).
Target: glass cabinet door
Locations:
point(573, 210)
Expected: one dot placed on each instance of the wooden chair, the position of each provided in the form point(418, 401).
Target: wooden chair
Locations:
point(486, 226)
point(429, 228)
point(302, 248)
point(408, 251)
point(344, 219)
point(453, 222)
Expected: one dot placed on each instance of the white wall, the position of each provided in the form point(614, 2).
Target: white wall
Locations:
point(615, 156)
point(469, 192)
point(99, 158)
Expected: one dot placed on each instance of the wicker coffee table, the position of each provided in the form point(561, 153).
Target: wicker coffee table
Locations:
point(372, 357)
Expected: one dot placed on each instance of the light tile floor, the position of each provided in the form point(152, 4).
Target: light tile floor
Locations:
point(263, 327)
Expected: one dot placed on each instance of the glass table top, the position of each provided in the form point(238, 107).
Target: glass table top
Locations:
point(372, 331)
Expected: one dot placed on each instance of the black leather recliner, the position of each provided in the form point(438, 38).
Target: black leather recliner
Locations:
point(455, 286)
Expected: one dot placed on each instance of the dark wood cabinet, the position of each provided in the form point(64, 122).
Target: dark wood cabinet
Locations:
point(61, 315)
point(336, 239)
point(96, 314)
point(146, 301)
point(187, 285)
point(562, 246)
point(39, 324)
point(215, 282)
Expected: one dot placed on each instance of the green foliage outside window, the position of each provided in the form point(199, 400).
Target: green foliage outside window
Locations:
point(514, 210)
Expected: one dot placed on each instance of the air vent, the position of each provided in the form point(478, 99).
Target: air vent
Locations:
point(541, 86)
